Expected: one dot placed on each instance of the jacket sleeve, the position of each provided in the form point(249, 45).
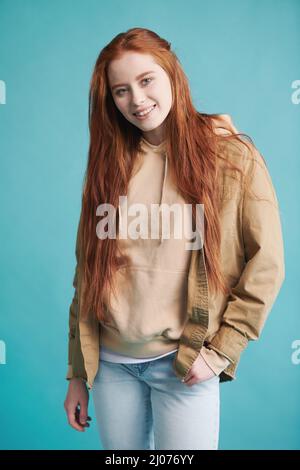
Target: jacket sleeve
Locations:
point(74, 350)
point(214, 360)
point(253, 296)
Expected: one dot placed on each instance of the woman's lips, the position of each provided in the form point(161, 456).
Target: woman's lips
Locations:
point(141, 118)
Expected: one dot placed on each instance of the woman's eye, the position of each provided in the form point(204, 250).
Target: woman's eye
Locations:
point(148, 78)
point(121, 90)
point(118, 91)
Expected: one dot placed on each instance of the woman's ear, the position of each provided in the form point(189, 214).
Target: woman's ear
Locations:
point(223, 125)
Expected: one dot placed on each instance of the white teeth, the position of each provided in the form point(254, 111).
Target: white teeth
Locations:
point(145, 112)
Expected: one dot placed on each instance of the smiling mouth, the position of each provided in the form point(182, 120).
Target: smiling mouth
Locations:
point(146, 112)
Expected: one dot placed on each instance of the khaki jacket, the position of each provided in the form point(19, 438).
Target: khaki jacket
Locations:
point(252, 259)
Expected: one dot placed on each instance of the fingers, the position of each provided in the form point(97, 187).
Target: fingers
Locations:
point(194, 379)
point(82, 416)
point(73, 422)
point(77, 419)
point(190, 380)
point(188, 376)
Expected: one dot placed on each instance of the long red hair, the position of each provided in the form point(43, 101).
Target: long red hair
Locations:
point(191, 145)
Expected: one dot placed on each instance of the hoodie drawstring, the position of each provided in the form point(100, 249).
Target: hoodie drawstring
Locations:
point(161, 197)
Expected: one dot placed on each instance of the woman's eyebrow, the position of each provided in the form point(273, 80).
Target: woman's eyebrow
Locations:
point(137, 78)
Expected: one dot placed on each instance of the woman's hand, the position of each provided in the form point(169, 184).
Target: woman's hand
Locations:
point(76, 404)
point(199, 372)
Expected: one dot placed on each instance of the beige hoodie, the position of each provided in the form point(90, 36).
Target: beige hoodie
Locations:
point(148, 314)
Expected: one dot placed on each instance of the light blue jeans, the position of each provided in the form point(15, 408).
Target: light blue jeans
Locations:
point(146, 406)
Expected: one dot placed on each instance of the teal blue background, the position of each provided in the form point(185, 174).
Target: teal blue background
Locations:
point(241, 58)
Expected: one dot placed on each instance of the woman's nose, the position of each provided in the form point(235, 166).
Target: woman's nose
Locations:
point(138, 97)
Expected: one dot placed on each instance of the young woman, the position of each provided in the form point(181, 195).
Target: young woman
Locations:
point(157, 323)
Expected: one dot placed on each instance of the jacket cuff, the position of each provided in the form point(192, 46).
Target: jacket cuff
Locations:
point(229, 342)
point(214, 360)
point(70, 374)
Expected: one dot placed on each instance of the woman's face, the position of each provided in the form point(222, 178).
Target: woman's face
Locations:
point(138, 83)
